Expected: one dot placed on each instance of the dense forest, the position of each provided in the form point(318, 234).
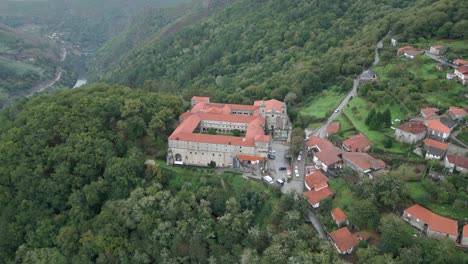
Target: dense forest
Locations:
point(278, 49)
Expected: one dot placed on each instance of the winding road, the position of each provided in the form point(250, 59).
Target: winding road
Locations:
point(58, 74)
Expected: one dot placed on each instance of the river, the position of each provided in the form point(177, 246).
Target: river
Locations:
point(82, 71)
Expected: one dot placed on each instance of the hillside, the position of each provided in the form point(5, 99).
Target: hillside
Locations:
point(87, 23)
point(25, 62)
point(277, 49)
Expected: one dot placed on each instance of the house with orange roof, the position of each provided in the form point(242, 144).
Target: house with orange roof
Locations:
point(316, 181)
point(357, 143)
point(362, 163)
point(462, 74)
point(343, 240)
point(460, 62)
point(402, 50)
point(317, 144)
point(339, 217)
point(431, 224)
point(464, 236)
point(434, 149)
point(333, 128)
point(457, 113)
point(314, 197)
point(437, 130)
point(456, 163)
point(438, 50)
point(410, 132)
point(191, 144)
point(429, 112)
point(328, 159)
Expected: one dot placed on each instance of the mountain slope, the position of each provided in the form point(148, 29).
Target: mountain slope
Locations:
point(259, 49)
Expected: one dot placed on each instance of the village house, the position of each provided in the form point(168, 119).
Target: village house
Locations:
point(464, 236)
point(368, 76)
point(343, 240)
point(362, 163)
point(316, 181)
point(339, 217)
point(450, 76)
point(434, 149)
point(411, 54)
point(457, 113)
point(460, 62)
point(429, 112)
point(191, 144)
point(328, 159)
point(394, 40)
point(333, 128)
point(402, 50)
point(357, 143)
point(438, 50)
point(317, 144)
point(448, 121)
point(437, 130)
point(456, 163)
point(462, 74)
point(314, 197)
point(410, 132)
point(431, 224)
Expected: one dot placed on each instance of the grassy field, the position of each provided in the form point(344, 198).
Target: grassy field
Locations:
point(357, 111)
point(409, 172)
point(343, 195)
point(463, 136)
point(321, 106)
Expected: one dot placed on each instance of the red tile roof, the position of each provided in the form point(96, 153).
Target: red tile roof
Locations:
point(329, 156)
point(465, 230)
point(462, 69)
point(435, 222)
point(343, 239)
point(270, 104)
point(458, 111)
point(436, 125)
point(361, 236)
point(460, 62)
point(459, 161)
point(356, 142)
point(431, 111)
point(250, 158)
point(435, 144)
point(406, 48)
point(364, 161)
point(316, 180)
point(201, 98)
point(338, 214)
point(315, 197)
point(437, 47)
point(333, 128)
point(413, 127)
point(322, 144)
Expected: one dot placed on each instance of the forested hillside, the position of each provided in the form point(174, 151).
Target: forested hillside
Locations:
point(74, 189)
point(25, 61)
point(279, 49)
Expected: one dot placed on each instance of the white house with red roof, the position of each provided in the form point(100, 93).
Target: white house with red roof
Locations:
point(462, 74)
point(410, 132)
point(191, 144)
point(343, 240)
point(437, 130)
point(314, 197)
point(316, 181)
point(429, 112)
point(457, 113)
point(339, 217)
point(456, 163)
point(460, 62)
point(464, 236)
point(433, 225)
point(434, 149)
point(357, 143)
point(326, 155)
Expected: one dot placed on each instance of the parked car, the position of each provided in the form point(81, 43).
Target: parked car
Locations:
point(337, 110)
point(296, 172)
point(299, 158)
point(280, 182)
point(282, 168)
point(289, 173)
point(268, 179)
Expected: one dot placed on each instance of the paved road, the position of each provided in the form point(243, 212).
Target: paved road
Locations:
point(317, 224)
point(434, 57)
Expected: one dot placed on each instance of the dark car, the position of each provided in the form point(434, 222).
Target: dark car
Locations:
point(282, 168)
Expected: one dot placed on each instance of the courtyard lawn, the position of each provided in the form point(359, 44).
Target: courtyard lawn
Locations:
point(343, 195)
point(321, 106)
point(357, 111)
point(346, 128)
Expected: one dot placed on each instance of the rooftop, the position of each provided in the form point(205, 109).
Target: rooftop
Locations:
point(329, 155)
point(458, 111)
point(430, 111)
point(270, 104)
point(333, 128)
point(462, 69)
point(436, 125)
point(413, 127)
point(320, 143)
point(364, 161)
point(356, 142)
point(315, 197)
point(460, 61)
point(459, 161)
point(343, 239)
point(338, 214)
point(316, 180)
point(434, 221)
point(406, 48)
point(465, 230)
point(435, 144)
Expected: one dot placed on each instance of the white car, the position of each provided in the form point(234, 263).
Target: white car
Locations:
point(296, 172)
point(268, 179)
point(337, 110)
point(299, 158)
